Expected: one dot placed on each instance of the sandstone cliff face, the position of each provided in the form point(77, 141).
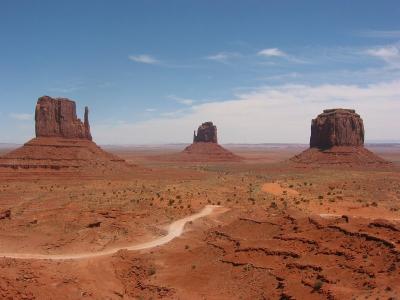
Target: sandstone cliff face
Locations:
point(56, 117)
point(337, 127)
point(337, 139)
point(206, 133)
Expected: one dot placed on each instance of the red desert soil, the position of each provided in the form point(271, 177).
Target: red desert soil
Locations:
point(276, 189)
point(334, 233)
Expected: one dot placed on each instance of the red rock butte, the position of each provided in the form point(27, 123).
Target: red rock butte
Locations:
point(205, 146)
point(337, 138)
point(56, 117)
point(206, 133)
point(337, 127)
point(63, 144)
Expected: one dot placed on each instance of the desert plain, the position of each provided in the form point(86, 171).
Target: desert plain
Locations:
point(276, 230)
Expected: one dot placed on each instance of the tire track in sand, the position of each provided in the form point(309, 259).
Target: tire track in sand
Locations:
point(175, 229)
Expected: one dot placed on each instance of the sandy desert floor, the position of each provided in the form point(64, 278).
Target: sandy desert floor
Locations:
point(279, 232)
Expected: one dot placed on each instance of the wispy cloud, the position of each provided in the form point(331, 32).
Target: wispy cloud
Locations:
point(144, 59)
point(272, 52)
point(389, 54)
point(21, 117)
point(185, 101)
point(223, 57)
point(378, 104)
point(150, 109)
point(380, 33)
point(278, 53)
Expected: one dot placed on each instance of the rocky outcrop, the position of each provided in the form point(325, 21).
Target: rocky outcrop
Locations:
point(206, 133)
point(337, 139)
point(205, 148)
point(63, 146)
point(337, 127)
point(56, 117)
point(5, 214)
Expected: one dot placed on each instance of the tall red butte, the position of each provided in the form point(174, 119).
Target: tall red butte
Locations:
point(57, 118)
point(63, 144)
point(337, 138)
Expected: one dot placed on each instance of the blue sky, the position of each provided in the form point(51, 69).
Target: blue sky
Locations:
point(152, 71)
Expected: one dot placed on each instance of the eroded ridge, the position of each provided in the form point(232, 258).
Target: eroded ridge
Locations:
point(324, 258)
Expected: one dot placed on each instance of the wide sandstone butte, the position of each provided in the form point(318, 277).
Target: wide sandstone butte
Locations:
point(57, 118)
point(63, 144)
point(205, 146)
point(337, 138)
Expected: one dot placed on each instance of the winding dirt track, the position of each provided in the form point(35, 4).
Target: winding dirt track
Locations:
point(175, 229)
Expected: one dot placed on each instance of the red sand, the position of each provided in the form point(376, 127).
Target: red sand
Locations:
point(268, 244)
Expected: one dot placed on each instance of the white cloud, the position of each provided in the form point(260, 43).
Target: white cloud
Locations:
point(21, 117)
point(271, 52)
point(277, 53)
point(389, 54)
point(144, 59)
point(185, 101)
point(150, 109)
point(269, 114)
point(223, 56)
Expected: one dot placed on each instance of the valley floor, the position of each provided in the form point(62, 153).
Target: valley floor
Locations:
point(280, 232)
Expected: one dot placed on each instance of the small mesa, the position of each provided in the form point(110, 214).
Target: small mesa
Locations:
point(205, 146)
point(206, 133)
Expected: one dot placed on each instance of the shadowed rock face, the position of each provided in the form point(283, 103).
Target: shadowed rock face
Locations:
point(206, 133)
point(56, 117)
point(337, 127)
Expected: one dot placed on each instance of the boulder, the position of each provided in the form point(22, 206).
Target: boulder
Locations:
point(5, 214)
point(56, 117)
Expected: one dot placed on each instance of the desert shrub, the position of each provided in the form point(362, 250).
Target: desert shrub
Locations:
point(151, 271)
point(317, 285)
